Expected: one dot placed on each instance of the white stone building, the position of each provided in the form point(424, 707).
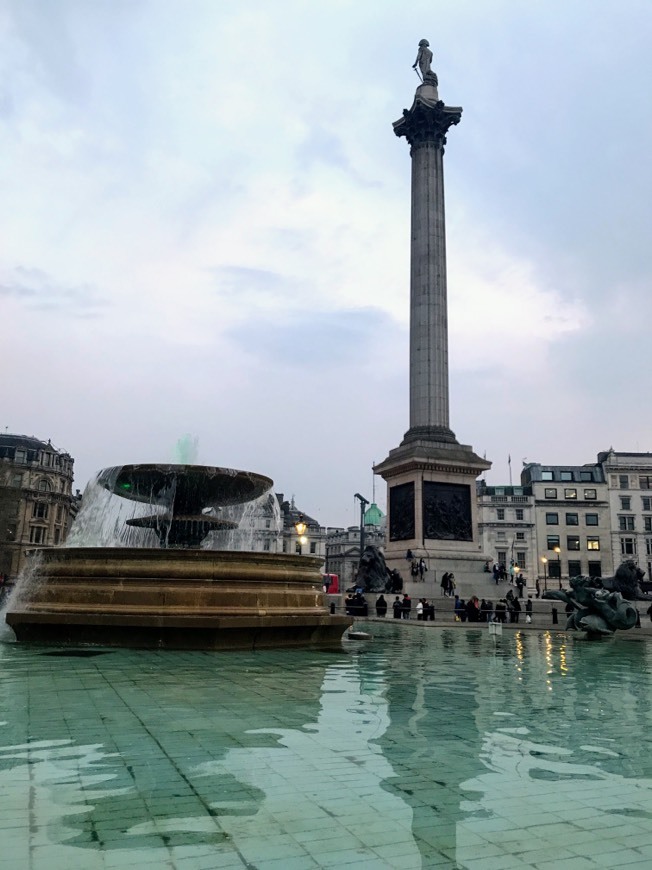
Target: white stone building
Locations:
point(507, 527)
point(629, 482)
point(572, 520)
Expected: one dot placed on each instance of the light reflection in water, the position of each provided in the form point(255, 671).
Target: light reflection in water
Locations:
point(421, 745)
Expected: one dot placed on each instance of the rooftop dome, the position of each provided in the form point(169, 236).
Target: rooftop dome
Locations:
point(373, 516)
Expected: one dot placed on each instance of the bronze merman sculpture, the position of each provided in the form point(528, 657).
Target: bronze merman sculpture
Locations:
point(600, 606)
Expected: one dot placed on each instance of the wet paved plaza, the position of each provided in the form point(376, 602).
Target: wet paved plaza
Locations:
point(439, 748)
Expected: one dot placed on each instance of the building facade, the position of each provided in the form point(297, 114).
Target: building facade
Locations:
point(629, 483)
point(572, 520)
point(37, 503)
point(507, 527)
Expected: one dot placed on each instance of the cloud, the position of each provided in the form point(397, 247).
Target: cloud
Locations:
point(39, 291)
point(304, 341)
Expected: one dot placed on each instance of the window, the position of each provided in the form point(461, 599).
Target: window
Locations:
point(592, 543)
point(595, 569)
point(21, 456)
point(570, 493)
point(590, 494)
point(519, 514)
point(623, 481)
point(59, 513)
point(573, 542)
point(626, 524)
point(40, 510)
point(586, 475)
point(285, 546)
point(625, 502)
point(520, 558)
point(550, 493)
point(500, 513)
point(574, 568)
point(501, 536)
point(502, 557)
point(17, 480)
point(547, 475)
point(552, 519)
point(552, 541)
point(43, 485)
point(647, 503)
point(572, 520)
point(45, 458)
point(554, 569)
point(591, 519)
point(268, 524)
point(645, 482)
point(297, 547)
point(648, 548)
point(628, 546)
point(62, 485)
point(266, 543)
point(565, 475)
point(647, 524)
point(313, 546)
point(520, 536)
point(57, 536)
point(37, 534)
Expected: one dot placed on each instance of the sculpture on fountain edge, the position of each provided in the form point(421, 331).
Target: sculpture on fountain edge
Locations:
point(602, 605)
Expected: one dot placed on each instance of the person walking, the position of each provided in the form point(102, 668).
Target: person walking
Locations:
point(444, 583)
point(397, 607)
point(419, 609)
point(406, 606)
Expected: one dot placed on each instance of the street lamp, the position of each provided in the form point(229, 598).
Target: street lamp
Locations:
point(301, 527)
point(557, 550)
point(545, 573)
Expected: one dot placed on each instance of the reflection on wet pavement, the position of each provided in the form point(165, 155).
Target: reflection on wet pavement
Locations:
point(419, 749)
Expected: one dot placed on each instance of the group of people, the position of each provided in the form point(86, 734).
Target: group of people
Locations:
point(402, 608)
point(508, 608)
point(502, 573)
point(448, 584)
point(356, 604)
point(418, 566)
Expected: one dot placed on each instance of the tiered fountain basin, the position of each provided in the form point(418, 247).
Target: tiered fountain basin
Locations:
point(177, 596)
point(178, 599)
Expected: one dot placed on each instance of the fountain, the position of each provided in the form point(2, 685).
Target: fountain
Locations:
point(180, 594)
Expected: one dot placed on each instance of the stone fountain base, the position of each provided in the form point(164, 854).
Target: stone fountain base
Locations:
point(175, 599)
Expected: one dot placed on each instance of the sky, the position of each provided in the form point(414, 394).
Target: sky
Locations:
point(205, 230)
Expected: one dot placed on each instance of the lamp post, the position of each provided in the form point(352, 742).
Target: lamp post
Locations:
point(363, 504)
point(545, 573)
point(558, 552)
point(301, 527)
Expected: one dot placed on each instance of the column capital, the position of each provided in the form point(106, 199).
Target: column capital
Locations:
point(429, 119)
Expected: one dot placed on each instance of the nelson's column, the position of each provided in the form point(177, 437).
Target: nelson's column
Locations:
point(430, 476)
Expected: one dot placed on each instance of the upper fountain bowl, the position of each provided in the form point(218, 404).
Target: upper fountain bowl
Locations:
point(188, 489)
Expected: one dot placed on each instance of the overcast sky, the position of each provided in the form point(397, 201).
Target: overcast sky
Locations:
point(204, 229)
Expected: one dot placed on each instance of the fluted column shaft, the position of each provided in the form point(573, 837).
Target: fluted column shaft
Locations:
point(428, 298)
point(425, 126)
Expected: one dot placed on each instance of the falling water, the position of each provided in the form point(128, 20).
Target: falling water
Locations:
point(28, 580)
point(102, 519)
point(259, 526)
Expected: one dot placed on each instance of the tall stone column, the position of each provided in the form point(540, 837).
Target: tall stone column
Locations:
point(425, 126)
point(431, 502)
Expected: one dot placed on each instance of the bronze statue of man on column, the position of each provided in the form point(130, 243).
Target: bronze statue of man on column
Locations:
point(423, 61)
